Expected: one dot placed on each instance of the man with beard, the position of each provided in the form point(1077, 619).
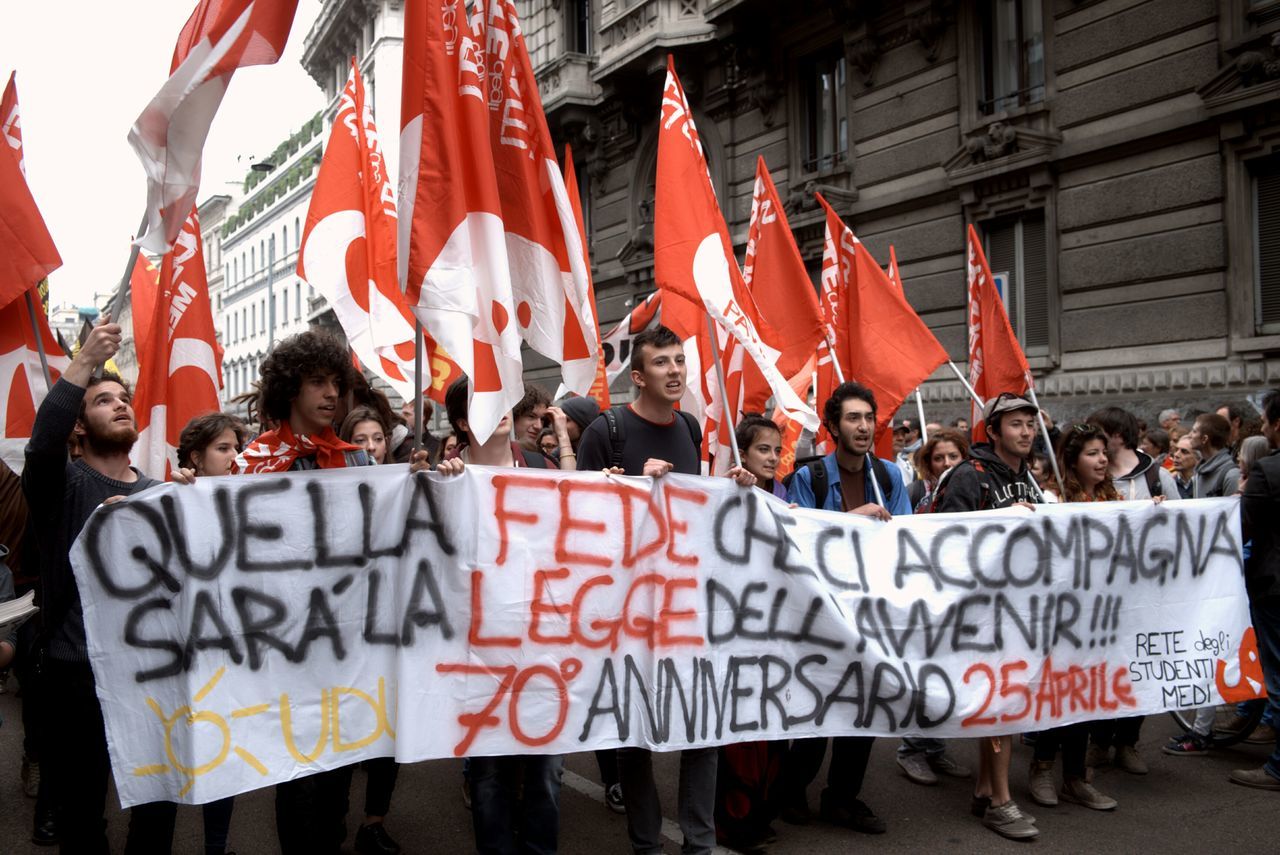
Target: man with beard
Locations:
point(61, 495)
point(853, 480)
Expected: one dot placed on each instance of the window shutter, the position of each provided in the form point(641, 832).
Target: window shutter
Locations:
point(1002, 255)
point(1035, 285)
point(1267, 191)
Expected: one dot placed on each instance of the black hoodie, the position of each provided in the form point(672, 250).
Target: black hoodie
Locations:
point(982, 482)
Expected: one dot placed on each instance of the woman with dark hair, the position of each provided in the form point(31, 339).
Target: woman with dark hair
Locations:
point(1082, 460)
point(365, 427)
point(208, 445)
point(760, 445)
point(945, 448)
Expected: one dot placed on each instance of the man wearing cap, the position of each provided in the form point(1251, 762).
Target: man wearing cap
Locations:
point(996, 475)
point(909, 431)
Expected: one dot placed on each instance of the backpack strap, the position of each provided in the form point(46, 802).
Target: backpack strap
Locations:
point(818, 481)
point(695, 432)
point(1154, 487)
point(534, 459)
point(882, 475)
point(617, 437)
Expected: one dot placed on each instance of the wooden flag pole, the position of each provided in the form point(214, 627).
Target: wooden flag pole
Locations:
point(35, 330)
point(724, 389)
point(417, 384)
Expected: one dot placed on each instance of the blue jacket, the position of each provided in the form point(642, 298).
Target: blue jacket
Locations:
point(801, 491)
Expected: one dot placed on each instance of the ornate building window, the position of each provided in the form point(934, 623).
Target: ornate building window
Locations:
point(826, 111)
point(1018, 253)
point(1012, 46)
point(1266, 218)
point(577, 26)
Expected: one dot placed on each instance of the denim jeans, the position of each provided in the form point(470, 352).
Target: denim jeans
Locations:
point(696, 808)
point(1266, 626)
point(926, 745)
point(500, 827)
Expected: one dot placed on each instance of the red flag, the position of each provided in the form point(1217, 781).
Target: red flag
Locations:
point(27, 253)
point(600, 385)
point(775, 273)
point(10, 121)
point(488, 246)
point(219, 37)
point(801, 381)
point(348, 249)
point(144, 290)
point(693, 255)
point(179, 372)
point(895, 278)
point(889, 349)
point(615, 345)
point(996, 361)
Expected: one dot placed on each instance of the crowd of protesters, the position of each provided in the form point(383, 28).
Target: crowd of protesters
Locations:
point(316, 412)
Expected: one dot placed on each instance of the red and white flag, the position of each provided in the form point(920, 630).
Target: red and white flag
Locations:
point(888, 348)
point(616, 343)
point(776, 276)
point(996, 361)
point(693, 254)
point(348, 249)
point(27, 253)
point(24, 324)
point(180, 370)
point(600, 385)
point(489, 249)
point(895, 278)
point(219, 37)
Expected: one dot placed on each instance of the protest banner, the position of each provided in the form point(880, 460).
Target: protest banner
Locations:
point(249, 630)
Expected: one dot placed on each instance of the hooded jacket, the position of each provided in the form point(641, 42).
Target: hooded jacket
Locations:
point(982, 482)
point(1217, 476)
point(1135, 485)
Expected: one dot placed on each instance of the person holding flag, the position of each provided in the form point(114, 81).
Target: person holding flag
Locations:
point(850, 479)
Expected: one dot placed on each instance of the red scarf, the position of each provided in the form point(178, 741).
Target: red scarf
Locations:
point(276, 450)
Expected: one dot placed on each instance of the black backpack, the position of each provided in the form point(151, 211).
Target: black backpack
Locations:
point(1154, 487)
point(818, 476)
point(618, 435)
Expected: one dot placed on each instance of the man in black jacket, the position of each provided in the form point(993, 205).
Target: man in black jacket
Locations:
point(1260, 517)
point(996, 476)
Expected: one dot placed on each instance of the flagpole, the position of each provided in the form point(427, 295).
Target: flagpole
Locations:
point(724, 389)
point(924, 434)
point(114, 311)
point(35, 330)
point(1044, 431)
point(964, 381)
point(417, 385)
point(835, 363)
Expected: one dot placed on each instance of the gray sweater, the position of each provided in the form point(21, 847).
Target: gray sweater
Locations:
point(60, 496)
point(1217, 476)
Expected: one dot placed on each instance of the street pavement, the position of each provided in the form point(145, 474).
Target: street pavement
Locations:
point(1184, 805)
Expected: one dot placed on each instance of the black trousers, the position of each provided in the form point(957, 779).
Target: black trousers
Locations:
point(1073, 739)
point(1116, 731)
point(849, 757)
point(311, 812)
point(76, 760)
point(151, 827)
point(380, 783)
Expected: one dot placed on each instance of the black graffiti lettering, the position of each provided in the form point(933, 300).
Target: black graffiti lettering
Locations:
point(1122, 555)
point(134, 638)
point(822, 543)
point(1094, 552)
point(739, 692)
point(770, 690)
point(157, 570)
point(1156, 564)
point(608, 682)
point(321, 529)
point(919, 616)
point(963, 630)
point(1068, 544)
point(852, 674)
point(918, 563)
point(712, 700)
point(425, 586)
point(816, 659)
point(936, 672)
point(880, 699)
point(205, 610)
point(935, 555)
point(424, 499)
point(1066, 611)
point(372, 606)
point(1006, 609)
point(756, 530)
point(226, 527)
point(365, 492)
point(975, 547)
point(1042, 573)
point(746, 620)
point(669, 686)
point(251, 527)
point(320, 624)
point(258, 629)
point(1223, 542)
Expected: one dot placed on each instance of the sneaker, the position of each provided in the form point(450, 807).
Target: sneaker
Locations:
point(1008, 821)
point(916, 767)
point(1263, 734)
point(1040, 783)
point(1097, 755)
point(1077, 791)
point(946, 766)
point(613, 799)
point(1256, 778)
point(1129, 760)
point(1191, 745)
point(856, 815)
point(373, 839)
point(30, 777)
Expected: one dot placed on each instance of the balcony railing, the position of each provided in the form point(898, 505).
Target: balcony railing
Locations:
point(640, 26)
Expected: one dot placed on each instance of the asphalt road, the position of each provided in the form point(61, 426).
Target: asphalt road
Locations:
point(1184, 805)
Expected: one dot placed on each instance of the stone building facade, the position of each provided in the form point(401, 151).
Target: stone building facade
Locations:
point(1118, 157)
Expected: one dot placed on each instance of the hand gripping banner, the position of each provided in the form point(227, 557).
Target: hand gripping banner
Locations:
point(245, 631)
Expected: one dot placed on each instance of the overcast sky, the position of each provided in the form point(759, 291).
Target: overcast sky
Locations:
point(86, 68)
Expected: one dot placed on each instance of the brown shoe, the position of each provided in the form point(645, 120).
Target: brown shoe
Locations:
point(1078, 792)
point(1263, 734)
point(1040, 784)
point(1257, 778)
point(1128, 759)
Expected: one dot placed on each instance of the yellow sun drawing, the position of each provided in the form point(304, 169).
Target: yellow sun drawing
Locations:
point(190, 717)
